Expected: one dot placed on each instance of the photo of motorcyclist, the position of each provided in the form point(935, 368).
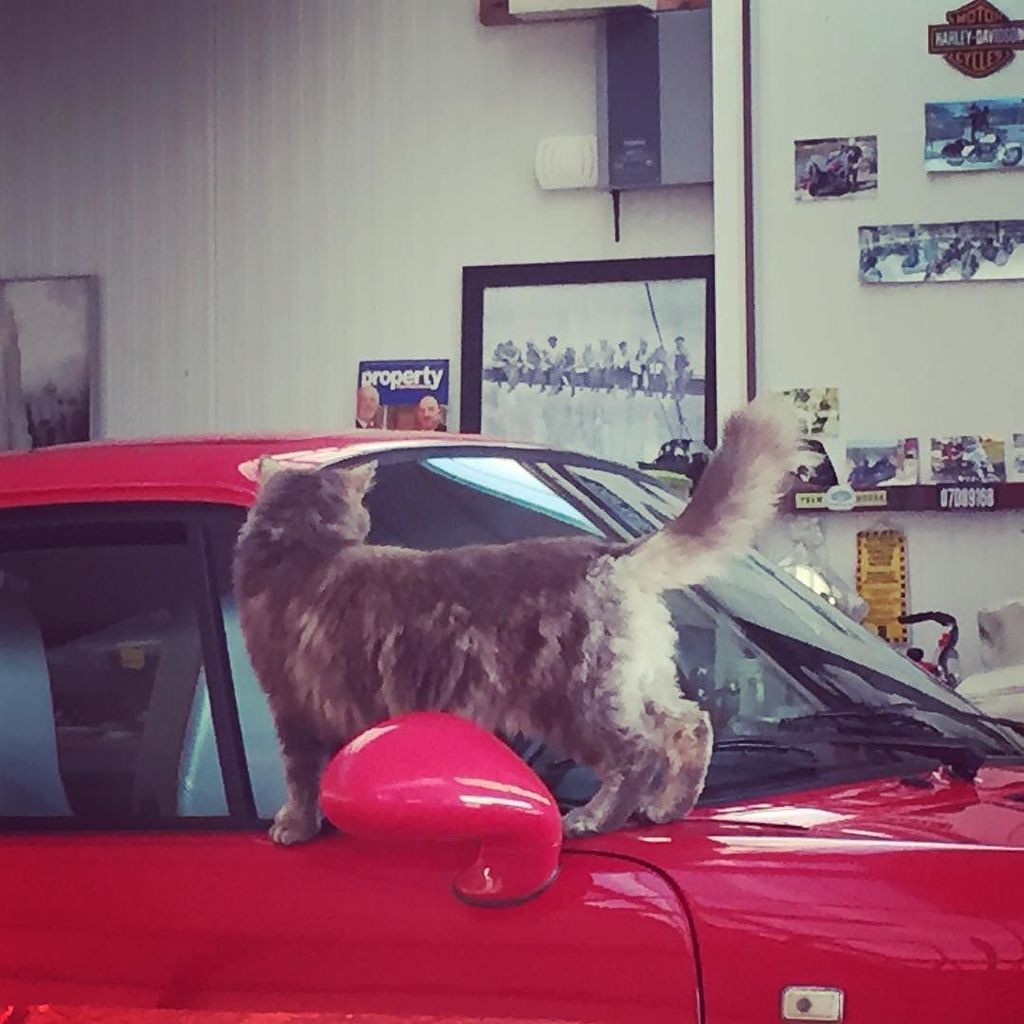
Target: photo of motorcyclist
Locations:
point(852, 156)
point(835, 167)
point(866, 475)
point(977, 136)
point(975, 460)
point(889, 462)
point(989, 249)
point(869, 269)
point(968, 458)
point(978, 120)
point(955, 252)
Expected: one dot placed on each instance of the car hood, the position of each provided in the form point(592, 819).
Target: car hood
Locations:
point(903, 895)
point(928, 807)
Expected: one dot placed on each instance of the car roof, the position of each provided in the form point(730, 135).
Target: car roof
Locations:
point(219, 469)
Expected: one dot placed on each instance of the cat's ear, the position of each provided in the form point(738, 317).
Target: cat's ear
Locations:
point(361, 478)
point(267, 467)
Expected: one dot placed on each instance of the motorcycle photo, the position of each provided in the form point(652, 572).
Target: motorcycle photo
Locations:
point(833, 175)
point(989, 148)
point(981, 143)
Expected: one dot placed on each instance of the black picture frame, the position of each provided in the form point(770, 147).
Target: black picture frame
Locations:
point(477, 281)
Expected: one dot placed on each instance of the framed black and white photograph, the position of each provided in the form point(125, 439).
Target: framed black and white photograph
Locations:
point(49, 334)
point(612, 358)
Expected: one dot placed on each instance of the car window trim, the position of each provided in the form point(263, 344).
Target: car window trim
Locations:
point(192, 520)
point(564, 470)
point(551, 474)
point(227, 725)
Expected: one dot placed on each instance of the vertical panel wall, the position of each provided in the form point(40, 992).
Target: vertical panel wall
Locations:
point(271, 190)
point(910, 360)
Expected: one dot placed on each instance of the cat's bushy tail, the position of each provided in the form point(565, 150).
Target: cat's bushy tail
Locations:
point(734, 500)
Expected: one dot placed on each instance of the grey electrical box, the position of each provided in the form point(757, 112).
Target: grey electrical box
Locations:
point(654, 99)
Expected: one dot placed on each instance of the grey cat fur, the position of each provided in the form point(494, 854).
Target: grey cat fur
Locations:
point(566, 639)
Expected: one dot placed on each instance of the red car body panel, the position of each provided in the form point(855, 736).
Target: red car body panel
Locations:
point(862, 888)
point(228, 921)
point(200, 469)
point(906, 895)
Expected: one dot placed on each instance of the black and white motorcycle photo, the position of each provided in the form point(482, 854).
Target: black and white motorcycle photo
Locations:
point(980, 135)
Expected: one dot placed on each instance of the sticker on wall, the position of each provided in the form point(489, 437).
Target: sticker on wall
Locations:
point(1018, 457)
point(811, 469)
point(841, 499)
point(979, 250)
point(882, 582)
point(835, 168)
point(889, 462)
point(403, 394)
point(975, 135)
point(966, 497)
point(977, 39)
point(817, 410)
point(968, 459)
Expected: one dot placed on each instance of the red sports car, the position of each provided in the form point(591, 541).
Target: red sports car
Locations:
point(857, 854)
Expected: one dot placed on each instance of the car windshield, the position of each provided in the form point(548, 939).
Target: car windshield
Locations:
point(777, 668)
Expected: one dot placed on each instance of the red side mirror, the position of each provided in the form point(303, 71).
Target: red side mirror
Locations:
point(430, 777)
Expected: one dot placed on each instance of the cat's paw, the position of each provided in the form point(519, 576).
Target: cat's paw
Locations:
point(294, 826)
point(579, 823)
point(654, 816)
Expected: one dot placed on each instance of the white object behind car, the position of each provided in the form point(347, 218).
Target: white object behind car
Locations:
point(999, 693)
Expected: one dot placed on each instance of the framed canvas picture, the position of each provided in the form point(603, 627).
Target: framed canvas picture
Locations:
point(613, 358)
point(49, 337)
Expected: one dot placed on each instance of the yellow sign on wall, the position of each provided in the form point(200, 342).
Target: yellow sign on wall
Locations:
point(882, 581)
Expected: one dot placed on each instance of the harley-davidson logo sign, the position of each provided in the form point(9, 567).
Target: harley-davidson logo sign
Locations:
point(977, 39)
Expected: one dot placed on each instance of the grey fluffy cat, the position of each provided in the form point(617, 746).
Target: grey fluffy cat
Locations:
point(566, 639)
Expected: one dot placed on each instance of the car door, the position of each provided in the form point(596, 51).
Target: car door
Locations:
point(135, 870)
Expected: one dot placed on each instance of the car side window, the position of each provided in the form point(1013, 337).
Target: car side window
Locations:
point(102, 666)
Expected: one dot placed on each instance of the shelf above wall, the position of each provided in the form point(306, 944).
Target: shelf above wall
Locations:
point(917, 498)
point(496, 12)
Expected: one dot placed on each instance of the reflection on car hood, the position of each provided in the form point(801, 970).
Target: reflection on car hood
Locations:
point(924, 808)
point(927, 807)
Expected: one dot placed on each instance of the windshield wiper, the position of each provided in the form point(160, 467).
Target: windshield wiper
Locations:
point(992, 728)
point(762, 744)
point(907, 716)
point(1012, 724)
point(898, 731)
point(759, 759)
point(860, 716)
point(788, 760)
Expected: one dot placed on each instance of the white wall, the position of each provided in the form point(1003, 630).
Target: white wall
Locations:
point(910, 360)
point(271, 190)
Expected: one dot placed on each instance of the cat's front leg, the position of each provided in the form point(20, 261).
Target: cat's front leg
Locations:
point(299, 819)
point(295, 824)
point(616, 800)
